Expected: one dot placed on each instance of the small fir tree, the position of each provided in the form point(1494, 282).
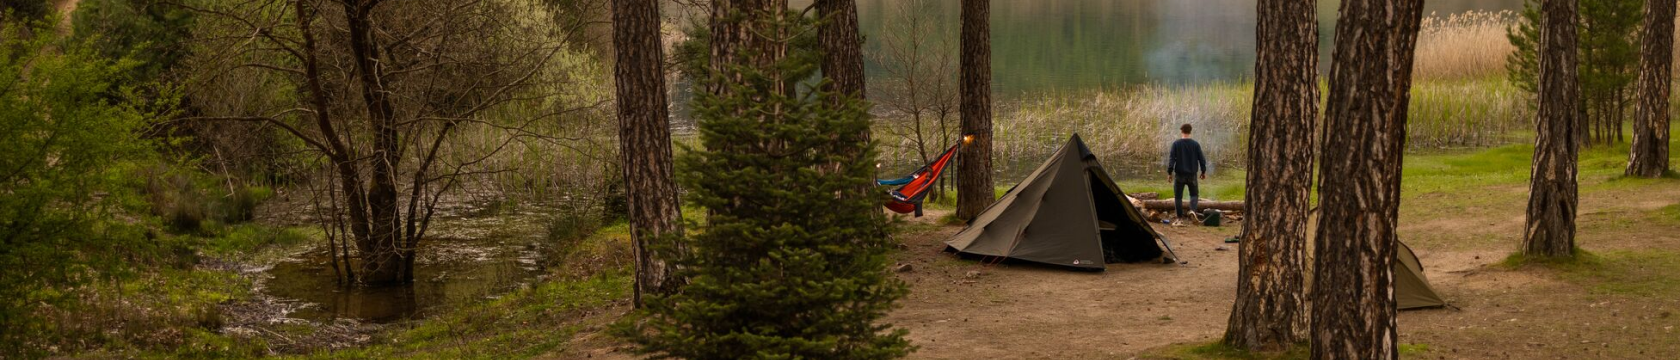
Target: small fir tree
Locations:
point(790, 263)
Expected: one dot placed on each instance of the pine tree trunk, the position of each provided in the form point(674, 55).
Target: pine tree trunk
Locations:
point(735, 44)
point(1550, 230)
point(1649, 154)
point(1353, 312)
point(842, 64)
point(1270, 312)
point(644, 137)
point(974, 166)
point(842, 47)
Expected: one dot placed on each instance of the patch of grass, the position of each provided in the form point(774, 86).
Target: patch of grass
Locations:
point(522, 324)
point(1667, 214)
point(248, 241)
point(1219, 351)
point(1621, 272)
point(1414, 349)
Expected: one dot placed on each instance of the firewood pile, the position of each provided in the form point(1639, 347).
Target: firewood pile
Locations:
point(1156, 209)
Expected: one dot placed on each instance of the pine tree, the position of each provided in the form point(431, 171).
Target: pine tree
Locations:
point(1608, 49)
point(1648, 157)
point(1353, 311)
point(790, 262)
point(1549, 230)
point(1270, 312)
point(644, 135)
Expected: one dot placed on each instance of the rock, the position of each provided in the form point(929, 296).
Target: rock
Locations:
point(973, 274)
point(902, 246)
point(903, 268)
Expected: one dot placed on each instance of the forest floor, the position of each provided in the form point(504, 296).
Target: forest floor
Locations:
point(1461, 213)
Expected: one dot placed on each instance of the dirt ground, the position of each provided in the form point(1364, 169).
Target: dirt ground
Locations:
point(1143, 310)
point(1621, 308)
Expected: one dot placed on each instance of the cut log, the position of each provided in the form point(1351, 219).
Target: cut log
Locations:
point(1203, 205)
point(1146, 196)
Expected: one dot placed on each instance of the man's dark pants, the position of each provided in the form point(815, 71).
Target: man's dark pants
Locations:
point(1181, 181)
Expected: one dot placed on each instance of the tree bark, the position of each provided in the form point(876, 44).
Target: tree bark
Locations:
point(734, 43)
point(1550, 228)
point(644, 137)
point(342, 155)
point(842, 47)
point(1353, 312)
point(974, 166)
point(1649, 154)
point(382, 252)
point(1270, 312)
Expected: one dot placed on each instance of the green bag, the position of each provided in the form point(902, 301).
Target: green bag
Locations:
point(1211, 217)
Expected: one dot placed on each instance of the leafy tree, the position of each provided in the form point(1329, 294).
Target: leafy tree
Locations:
point(61, 176)
point(790, 262)
point(152, 32)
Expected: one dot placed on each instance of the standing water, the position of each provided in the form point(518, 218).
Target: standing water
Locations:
point(464, 259)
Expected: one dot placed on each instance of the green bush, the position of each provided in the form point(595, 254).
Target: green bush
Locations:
point(67, 143)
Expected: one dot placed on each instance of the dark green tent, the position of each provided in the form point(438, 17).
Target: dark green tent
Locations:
point(1068, 212)
point(1411, 289)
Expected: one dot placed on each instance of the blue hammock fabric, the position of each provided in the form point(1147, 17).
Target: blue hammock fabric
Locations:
point(898, 181)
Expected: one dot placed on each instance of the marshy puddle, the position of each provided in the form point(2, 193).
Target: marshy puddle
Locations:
point(464, 260)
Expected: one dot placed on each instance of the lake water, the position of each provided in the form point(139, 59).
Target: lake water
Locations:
point(1062, 45)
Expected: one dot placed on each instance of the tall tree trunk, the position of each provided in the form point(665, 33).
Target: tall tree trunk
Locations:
point(734, 42)
point(644, 137)
point(1270, 312)
point(1649, 155)
point(1550, 230)
point(382, 260)
point(842, 47)
point(974, 166)
point(1353, 312)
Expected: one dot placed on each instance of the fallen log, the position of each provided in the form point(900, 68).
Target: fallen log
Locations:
point(1203, 205)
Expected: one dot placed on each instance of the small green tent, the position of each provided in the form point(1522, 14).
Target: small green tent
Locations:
point(1068, 212)
point(1411, 289)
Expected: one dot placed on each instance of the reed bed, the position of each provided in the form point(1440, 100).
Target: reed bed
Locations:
point(1129, 128)
point(1469, 45)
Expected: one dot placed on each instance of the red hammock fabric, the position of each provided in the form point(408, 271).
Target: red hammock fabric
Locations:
point(908, 198)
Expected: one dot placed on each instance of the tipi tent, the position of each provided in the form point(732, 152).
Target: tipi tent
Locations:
point(1411, 289)
point(1068, 212)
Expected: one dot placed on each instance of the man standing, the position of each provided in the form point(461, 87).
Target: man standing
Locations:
point(1185, 164)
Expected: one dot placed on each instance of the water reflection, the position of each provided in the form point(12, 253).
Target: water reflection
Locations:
point(470, 259)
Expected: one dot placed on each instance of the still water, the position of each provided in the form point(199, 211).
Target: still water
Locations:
point(1070, 46)
point(1062, 45)
point(467, 259)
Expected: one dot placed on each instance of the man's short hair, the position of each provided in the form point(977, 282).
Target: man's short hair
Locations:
point(1185, 129)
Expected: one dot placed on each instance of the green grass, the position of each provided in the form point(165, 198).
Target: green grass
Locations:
point(522, 324)
point(1644, 272)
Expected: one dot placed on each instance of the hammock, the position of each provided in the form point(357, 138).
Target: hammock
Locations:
point(908, 197)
